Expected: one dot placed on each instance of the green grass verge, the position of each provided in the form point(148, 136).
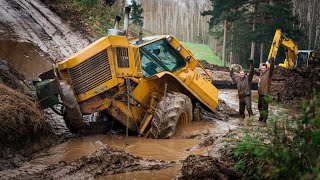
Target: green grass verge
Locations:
point(202, 52)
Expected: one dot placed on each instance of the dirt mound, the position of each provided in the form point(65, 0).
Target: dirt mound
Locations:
point(20, 117)
point(213, 67)
point(206, 167)
point(106, 161)
point(294, 85)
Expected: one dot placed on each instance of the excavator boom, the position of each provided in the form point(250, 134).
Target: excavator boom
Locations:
point(290, 47)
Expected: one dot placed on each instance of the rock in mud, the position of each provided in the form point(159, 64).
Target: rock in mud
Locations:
point(206, 167)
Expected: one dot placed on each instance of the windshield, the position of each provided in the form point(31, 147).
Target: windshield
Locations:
point(302, 59)
point(159, 56)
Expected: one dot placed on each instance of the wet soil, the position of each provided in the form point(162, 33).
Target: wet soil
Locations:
point(295, 85)
point(206, 167)
point(25, 58)
point(105, 161)
point(32, 21)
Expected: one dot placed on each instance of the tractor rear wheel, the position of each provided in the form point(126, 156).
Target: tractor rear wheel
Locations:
point(174, 108)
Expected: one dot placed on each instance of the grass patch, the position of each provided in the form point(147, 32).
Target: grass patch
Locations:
point(202, 52)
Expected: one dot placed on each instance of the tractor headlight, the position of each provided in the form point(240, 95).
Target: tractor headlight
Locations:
point(179, 48)
point(169, 38)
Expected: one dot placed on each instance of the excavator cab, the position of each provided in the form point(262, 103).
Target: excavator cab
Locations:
point(303, 58)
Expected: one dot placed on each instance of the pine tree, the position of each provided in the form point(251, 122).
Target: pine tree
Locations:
point(136, 14)
point(225, 12)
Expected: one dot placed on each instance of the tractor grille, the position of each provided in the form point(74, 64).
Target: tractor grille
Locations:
point(91, 73)
point(123, 59)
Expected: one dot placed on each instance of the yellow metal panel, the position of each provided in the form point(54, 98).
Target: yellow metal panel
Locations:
point(121, 41)
point(205, 90)
point(184, 52)
point(97, 90)
point(84, 54)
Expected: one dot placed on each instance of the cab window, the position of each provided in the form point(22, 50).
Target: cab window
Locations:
point(159, 56)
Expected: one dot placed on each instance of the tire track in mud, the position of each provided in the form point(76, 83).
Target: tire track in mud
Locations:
point(33, 22)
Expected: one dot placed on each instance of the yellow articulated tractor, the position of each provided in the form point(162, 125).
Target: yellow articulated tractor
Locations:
point(150, 85)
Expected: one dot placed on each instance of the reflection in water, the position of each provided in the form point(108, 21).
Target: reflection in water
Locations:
point(24, 57)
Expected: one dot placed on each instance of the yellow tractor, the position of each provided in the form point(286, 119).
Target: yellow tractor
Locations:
point(150, 85)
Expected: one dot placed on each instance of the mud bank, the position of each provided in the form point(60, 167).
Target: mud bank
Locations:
point(206, 167)
point(25, 58)
point(106, 161)
point(295, 85)
point(31, 21)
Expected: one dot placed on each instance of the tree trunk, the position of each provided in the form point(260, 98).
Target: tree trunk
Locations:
point(253, 44)
point(224, 42)
point(261, 52)
point(232, 44)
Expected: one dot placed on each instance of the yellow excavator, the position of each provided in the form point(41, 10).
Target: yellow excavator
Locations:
point(294, 57)
point(291, 49)
point(150, 85)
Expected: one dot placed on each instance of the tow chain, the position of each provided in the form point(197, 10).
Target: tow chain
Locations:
point(165, 89)
point(128, 87)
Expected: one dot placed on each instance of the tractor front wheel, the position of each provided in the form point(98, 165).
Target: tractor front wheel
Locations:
point(174, 108)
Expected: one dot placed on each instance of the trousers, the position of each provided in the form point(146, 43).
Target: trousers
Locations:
point(263, 103)
point(245, 102)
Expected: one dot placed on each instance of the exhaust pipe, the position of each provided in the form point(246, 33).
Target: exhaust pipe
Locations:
point(126, 20)
point(116, 23)
point(115, 31)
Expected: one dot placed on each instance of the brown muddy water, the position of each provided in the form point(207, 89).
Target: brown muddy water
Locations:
point(25, 58)
point(156, 149)
point(186, 142)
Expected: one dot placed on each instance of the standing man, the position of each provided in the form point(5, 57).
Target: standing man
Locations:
point(244, 90)
point(264, 89)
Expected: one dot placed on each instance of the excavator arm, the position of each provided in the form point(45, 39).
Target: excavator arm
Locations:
point(290, 47)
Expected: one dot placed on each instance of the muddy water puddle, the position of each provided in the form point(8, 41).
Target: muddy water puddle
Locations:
point(24, 57)
point(156, 149)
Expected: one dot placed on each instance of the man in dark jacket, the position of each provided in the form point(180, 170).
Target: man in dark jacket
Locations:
point(244, 90)
point(264, 90)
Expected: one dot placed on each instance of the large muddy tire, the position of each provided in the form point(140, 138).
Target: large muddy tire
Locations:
point(173, 109)
point(72, 128)
point(73, 125)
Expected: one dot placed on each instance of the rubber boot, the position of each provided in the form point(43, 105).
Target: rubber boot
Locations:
point(248, 122)
point(241, 121)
